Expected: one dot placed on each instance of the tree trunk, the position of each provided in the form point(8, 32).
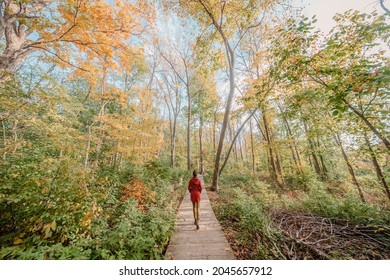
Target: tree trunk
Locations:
point(88, 147)
point(267, 134)
point(214, 131)
point(240, 145)
point(173, 142)
point(201, 167)
point(369, 124)
point(293, 146)
point(101, 113)
point(235, 146)
point(316, 164)
point(231, 62)
point(189, 129)
point(214, 186)
point(324, 169)
point(278, 162)
point(15, 135)
point(252, 148)
point(233, 141)
point(350, 168)
point(378, 170)
point(4, 140)
point(116, 156)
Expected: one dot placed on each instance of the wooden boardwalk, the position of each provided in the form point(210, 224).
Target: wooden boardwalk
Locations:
point(207, 243)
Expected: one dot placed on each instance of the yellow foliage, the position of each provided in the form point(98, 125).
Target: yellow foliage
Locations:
point(18, 241)
point(137, 189)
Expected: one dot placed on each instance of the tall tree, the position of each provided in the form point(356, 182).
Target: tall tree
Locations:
point(231, 20)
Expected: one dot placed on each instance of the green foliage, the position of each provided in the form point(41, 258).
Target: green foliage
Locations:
point(245, 208)
point(80, 216)
point(235, 179)
point(55, 204)
point(320, 202)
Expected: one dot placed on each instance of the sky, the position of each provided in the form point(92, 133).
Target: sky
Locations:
point(326, 9)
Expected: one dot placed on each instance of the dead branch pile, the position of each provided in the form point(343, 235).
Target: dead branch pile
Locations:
point(313, 237)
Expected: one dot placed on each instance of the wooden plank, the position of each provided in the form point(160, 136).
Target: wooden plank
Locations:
point(207, 243)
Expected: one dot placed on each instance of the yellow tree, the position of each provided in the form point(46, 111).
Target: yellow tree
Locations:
point(75, 33)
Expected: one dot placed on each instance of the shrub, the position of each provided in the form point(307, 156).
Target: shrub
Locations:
point(87, 214)
point(320, 202)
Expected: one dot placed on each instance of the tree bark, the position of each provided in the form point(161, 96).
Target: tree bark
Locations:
point(240, 145)
point(229, 102)
point(188, 128)
point(383, 6)
point(267, 133)
point(378, 170)
point(88, 147)
point(293, 146)
point(278, 162)
point(15, 135)
point(252, 148)
point(4, 140)
point(350, 168)
point(173, 143)
point(316, 164)
point(201, 167)
point(324, 169)
point(214, 131)
point(369, 124)
point(233, 141)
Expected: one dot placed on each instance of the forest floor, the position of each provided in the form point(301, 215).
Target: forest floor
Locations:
point(307, 236)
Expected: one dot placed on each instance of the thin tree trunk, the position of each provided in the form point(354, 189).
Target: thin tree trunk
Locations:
point(15, 135)
point(4, 140)
point(189, 129)
point(293, 146)
point(369, 124)
point(234, 140)
point(350, 168)
point(252, 148)
point(312, 151)
point(214, 131)
point(383, 6)
point(278, 161)
point(201, 168)
point(101, 113)
point(246, 147)
point(116, 156)
point(232, 133)
point(240, 145)
point(173, 146)
point(267, 133)
point(88, 147)
point(378, 170)
point(324, 169)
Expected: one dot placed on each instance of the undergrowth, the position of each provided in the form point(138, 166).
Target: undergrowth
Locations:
point(103, 214)
point(246, 206)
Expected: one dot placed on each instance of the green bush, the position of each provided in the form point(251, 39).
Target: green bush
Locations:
point(80, 214)
point(350, 207)
point(249, 214)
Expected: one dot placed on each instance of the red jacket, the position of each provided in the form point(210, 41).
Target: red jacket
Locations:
point(195, 188)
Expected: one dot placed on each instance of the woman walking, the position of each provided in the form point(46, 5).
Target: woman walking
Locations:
point(195, 189)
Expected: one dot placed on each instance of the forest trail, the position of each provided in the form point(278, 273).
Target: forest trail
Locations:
point(207, 243)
